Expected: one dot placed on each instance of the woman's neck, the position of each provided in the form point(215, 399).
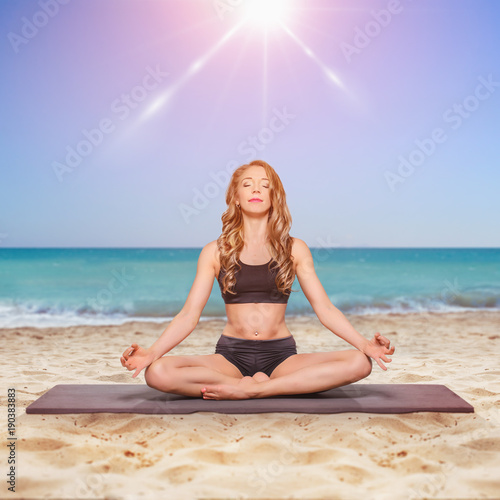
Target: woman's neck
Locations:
point(255, 233)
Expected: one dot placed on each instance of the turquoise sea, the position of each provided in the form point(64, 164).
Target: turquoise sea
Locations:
point(51, 287)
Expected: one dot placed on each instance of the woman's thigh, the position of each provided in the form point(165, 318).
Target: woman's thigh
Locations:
point(215, 362)
point(303, 360)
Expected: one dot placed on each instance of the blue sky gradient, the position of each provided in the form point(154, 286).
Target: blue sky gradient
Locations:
point(381, 118)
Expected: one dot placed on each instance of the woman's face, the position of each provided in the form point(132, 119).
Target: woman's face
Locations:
point(254, 185)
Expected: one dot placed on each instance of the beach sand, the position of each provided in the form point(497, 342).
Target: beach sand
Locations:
point(274, 455)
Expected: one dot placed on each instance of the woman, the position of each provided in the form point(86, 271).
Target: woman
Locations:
point(255, 262)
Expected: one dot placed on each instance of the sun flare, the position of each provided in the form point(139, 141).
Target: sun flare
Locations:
point(267, 17)
point(265, 13)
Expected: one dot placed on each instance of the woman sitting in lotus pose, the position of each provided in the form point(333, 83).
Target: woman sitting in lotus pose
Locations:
point(255, 261)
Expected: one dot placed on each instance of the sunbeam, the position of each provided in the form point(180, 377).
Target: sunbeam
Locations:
point(223, 91)
point(192, 70)
point(328, 71)
point(265, 14)
point(264, 81)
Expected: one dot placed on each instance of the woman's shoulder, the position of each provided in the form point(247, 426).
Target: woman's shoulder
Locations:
point(212, 245)
point(212, 249)
point(210, 254)
point(298, 245)
point(300, 251)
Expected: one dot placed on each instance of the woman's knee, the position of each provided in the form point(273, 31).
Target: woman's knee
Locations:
point(150, 374)
point(156, 375)
point(362, 365)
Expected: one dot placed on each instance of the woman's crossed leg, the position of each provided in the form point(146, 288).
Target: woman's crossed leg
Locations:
point(187, 375)
point(299, 374)
point(214, 377)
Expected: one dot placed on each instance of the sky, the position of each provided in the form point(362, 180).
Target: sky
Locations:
point(122, 120)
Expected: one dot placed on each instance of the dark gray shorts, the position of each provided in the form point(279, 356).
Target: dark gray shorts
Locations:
point(252, 356)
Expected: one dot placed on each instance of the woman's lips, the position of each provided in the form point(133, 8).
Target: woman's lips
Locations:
point(255, 200)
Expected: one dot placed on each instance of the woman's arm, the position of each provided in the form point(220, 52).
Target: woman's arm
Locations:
point(329, 316)
point(186, 320)
point(181, 326)
point(136, 358)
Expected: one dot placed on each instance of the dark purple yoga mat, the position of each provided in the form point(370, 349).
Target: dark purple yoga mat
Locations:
point(136, 398)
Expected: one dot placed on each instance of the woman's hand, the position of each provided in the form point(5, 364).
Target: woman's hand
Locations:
point(379, 348)
point(136, 358)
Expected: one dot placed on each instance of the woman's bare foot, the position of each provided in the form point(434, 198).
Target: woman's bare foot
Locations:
point(243, 389)
point(260, 377)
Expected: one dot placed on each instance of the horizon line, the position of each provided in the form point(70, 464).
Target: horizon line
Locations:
point(200, 247)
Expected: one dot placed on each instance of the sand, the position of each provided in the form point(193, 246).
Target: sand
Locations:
point(274, 455)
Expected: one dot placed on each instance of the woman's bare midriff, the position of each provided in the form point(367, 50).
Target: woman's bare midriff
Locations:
point(267, 319)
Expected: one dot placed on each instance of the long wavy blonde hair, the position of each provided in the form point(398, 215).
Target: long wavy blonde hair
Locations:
point(230, 243)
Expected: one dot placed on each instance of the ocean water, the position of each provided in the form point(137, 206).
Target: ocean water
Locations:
point(62, 287)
